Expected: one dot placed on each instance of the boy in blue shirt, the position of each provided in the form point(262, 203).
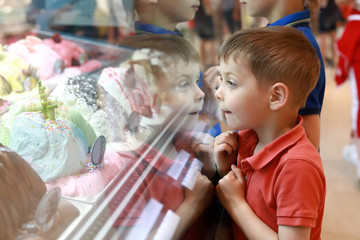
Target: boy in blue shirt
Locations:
point(292, 13)
point(162, 16)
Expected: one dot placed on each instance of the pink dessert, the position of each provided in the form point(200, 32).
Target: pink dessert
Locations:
point(72, 54)
point(91, 179)
point(52, 56)
point(68, 51)
point(3, 106)
point(90, 65)
point(39, 55)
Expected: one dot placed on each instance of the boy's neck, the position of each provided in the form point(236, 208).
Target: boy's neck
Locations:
point(275, 128)
point(285, 8)
point(159, 21)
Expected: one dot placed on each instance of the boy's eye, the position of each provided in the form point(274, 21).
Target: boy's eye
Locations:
point(231, 83)
point(184, 84)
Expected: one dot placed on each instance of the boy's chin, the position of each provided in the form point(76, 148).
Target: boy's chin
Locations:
point(189, 124)
point(234, 126)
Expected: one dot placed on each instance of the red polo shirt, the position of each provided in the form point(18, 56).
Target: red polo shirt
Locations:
point(285, 181)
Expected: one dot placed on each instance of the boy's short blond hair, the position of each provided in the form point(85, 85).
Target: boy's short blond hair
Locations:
point(171, 45)
point(158, 55)
point(276, 54)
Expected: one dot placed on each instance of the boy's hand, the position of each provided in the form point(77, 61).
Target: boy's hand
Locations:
point(210, 112)
point(203, 148)
point(201, 196)
point(210, 77)
point(231, 189)
point(226, 151)
point(195, 203)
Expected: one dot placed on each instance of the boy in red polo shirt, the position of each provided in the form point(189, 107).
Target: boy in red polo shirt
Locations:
point(277, 190)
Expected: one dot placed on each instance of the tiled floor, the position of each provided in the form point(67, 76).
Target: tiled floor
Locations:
point(342, 209)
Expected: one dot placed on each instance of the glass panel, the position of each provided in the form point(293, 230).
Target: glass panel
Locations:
point(107, 120)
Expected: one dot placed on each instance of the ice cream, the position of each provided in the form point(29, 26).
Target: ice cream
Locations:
point(54, 148)
point(29, 104)
point(67, 50)
point(3, 106)
point(53, 57)
point(80, 94)
point(72, 54)
point(39, 55)
point(91, 179)
point(16, 75)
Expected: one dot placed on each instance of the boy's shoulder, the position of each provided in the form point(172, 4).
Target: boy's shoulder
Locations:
point(304, 150)
point(293, 145)
point(294, 20)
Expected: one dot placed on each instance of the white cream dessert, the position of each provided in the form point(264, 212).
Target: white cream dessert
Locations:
point(54, 148)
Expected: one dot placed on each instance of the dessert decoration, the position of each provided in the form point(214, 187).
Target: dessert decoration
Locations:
point(77, 119)
point(46, 210)
point(98, 151)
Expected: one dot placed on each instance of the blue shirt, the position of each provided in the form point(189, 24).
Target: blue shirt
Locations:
point(301, 21)
point(145, 28)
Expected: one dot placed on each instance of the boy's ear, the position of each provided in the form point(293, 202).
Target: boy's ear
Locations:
point(279, 96)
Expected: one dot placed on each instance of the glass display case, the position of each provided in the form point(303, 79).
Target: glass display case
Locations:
point(100, 122)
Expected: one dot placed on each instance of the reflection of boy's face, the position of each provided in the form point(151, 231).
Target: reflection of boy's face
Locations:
point(179, 10)
point(180, 91)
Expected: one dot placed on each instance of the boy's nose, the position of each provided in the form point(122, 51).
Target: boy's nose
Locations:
point(219, 94)
point(199, 95)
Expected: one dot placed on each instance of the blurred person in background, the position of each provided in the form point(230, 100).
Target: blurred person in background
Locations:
point(348, 68)
point(232, 14)
point(205, 28)
point(329, 17)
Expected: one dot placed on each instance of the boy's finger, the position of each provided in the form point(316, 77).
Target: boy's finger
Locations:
point(238, 173)
point(224, 147)
point(229, 138)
